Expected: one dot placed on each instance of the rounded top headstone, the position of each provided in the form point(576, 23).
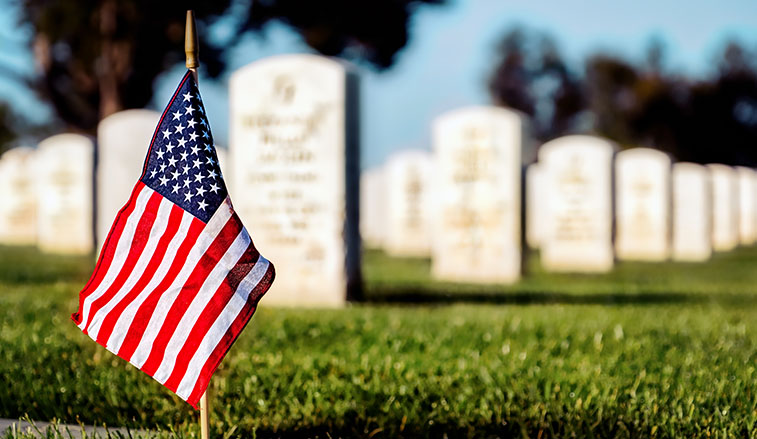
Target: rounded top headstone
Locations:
point(299, 63)
point(19, 153)
point(67, 140)
point(643, 153)
point(477, 113)
point(123, 122)
point(585, 143)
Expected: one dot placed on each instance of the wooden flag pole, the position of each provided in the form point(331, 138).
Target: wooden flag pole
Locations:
point(192, 50)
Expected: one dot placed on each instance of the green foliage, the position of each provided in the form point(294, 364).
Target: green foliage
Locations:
point(668, 369)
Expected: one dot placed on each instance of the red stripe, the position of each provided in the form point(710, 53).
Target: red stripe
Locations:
point(137, 244)
point(231, 335)
point(110, 320)
point(143, 314)
point(189, 291)
point(106, 254)
point(209, 315)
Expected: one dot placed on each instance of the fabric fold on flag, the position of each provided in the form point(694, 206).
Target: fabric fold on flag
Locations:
point(178, 277)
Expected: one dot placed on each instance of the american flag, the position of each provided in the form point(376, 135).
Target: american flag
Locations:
point(178, 277)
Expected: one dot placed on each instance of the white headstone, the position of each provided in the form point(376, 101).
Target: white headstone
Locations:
point(408, 204)
point(223, 162)
point(477, 195)
point(725, 207)
point(535, 205)
point(122, 143)
point(642, 205)
point(295, 169)
point(578, 230)
point(747, 178)
point(18, 198)
point(373, 207)
point(692, 235)
point(64, 194)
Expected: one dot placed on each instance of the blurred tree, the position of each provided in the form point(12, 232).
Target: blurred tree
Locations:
point(370, 30)
point(7, 127)
point(635, 104)
point(532, 77)
point(721, 121)
point(97, 57)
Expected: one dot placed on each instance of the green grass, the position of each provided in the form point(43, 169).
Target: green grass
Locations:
point(556, 366)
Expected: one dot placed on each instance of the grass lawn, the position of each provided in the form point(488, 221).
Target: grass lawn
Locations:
point(666, 350)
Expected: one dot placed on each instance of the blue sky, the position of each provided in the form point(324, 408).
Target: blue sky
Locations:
point(450, 55)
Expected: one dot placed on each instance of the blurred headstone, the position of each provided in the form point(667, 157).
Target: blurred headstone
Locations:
point(373, 207)
point(578, 229)
point(477, 195)
point(692, 235)
point(223, 162)
point(642, 205)
point(65, 166)
point(747, 178)
point(535, 205)
point(408, 204)
point(294, 163)
point(122, 143)
point(725, 207)
point(18, 197)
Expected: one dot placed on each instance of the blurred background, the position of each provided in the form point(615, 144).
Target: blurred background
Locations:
point(648, 74)
point(655, 347)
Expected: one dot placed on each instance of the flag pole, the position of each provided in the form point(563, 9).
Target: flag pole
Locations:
point(192, 50)
point(191, 46)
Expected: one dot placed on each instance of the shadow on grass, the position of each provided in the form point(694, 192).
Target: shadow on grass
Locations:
point(421, 296)
point(515, 428)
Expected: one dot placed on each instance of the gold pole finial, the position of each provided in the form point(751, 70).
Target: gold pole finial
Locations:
point(191, 47)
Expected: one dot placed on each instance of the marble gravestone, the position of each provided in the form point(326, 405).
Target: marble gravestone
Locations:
point(747, 179)
point(373, 208)
point(295, 174)
point(408, 204)
point(123, 139)
point(725, 207)
point(18, 198)
point(65, 166)
point(692, 233)
point(535, 201)
point(477, 195)
point(578, 209)
point(642, 205)
point(223, 162)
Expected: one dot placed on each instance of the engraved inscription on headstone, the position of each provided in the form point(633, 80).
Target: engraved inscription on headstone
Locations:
point(18, 200)
point(642, 205)
point(295, 176)
point(408, 219)
point(476, 187)
point(122, 143)
point(725, 207)
point(64, 194)
point(692, 234)
point(578, 224)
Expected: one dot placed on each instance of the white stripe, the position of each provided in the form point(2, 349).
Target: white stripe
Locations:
point(220, 326)
point(121, 328)
point(194, 311)
point(156, 232)
point(204, 240)
point(119, 256)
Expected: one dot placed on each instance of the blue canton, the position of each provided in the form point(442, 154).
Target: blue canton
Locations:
point(183, 165)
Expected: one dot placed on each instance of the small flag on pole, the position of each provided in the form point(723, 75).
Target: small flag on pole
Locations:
point(178, 277)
